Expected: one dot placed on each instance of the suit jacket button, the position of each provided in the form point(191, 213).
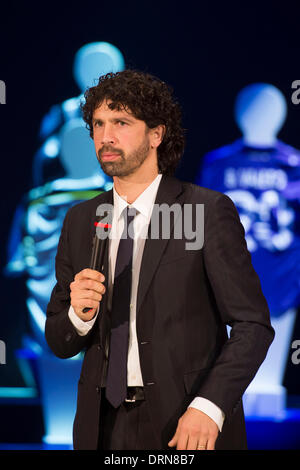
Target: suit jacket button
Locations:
point(68, 337)
point(98, 389)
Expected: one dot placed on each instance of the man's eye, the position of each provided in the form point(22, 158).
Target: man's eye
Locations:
point(97, 124)
point(122, 123)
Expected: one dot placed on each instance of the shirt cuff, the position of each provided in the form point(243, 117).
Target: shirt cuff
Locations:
point(210, 409)
point(82, 327)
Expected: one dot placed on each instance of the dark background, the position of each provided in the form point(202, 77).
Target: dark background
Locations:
point(206, 52)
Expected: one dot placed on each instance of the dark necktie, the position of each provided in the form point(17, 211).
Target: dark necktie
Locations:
point(116, 381)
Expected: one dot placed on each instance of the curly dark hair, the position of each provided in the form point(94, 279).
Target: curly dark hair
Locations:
point(148, 99)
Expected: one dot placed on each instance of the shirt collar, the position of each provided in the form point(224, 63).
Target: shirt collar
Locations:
point(143, 204)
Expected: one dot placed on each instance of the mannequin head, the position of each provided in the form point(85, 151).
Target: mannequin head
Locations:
point(260, 111)
point(96, 59)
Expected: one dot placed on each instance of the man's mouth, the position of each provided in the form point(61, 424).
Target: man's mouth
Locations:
point(109, 156)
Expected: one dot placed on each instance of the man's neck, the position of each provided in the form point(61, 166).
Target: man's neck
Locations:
point(130, 188)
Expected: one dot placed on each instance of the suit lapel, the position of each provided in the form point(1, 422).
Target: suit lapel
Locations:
point(168, 193)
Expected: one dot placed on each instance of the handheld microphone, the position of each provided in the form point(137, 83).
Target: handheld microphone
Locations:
point(99, 247)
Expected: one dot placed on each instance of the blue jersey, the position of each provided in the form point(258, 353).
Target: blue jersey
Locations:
point(264, 184)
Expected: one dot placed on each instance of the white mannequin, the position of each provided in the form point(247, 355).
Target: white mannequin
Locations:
point(260, 111)
point(91, 61)
point(75, 150)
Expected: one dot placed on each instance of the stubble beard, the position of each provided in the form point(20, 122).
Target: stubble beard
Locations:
point(126, 165)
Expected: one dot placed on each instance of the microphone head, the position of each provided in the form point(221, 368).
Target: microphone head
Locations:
point(103, 226)
point(103, 222)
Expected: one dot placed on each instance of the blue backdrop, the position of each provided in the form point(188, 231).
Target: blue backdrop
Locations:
point(208, 57)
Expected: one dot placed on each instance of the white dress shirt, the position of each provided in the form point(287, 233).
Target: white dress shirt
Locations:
point(144, 205)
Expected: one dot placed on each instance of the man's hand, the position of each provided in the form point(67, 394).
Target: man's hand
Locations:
point(86, 291)
point(195, 431)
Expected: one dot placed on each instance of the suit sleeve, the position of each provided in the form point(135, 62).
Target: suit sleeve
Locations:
point(61, 335)
point(241, 304)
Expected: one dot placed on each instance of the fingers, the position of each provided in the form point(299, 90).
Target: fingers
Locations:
point(192, 443)
point(88, 284)
point(174, 439)
point(89, 281)
point(182, 441)
point(86, 291)
point(201, 445)
point(84, 302)
point(90, 274)
point(81, 294)
point(195, 431)
point(211, 444)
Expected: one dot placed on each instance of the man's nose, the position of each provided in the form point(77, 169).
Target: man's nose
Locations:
point(108, 136)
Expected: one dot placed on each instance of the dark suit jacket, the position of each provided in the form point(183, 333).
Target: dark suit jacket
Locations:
point(185, 300)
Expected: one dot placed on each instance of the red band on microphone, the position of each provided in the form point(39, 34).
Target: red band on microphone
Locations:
point(100, 224)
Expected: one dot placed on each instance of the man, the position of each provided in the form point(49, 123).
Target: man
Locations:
point(159, 370)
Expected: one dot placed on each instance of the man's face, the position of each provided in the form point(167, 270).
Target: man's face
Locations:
point(121, 141)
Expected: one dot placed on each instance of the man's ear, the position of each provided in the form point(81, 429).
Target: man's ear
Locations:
point(157, 135)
